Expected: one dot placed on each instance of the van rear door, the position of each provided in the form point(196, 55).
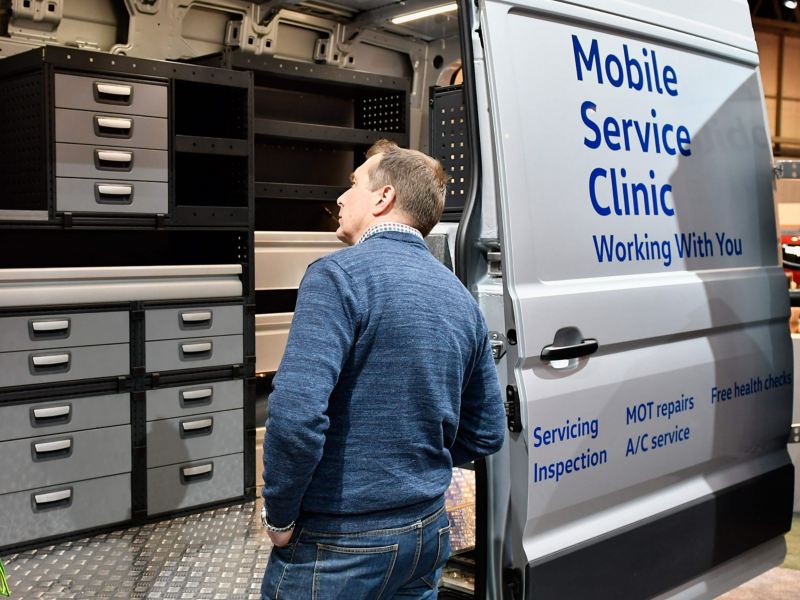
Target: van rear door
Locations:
point(652, 368)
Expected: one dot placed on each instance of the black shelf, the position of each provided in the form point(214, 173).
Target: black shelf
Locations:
point(280, 191)
point(301, 71)
point(211, 145)
point(347, 137)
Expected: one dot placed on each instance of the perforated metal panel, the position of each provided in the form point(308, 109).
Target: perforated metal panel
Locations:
point(384, 111)
point(23, 178)
point(448, 142)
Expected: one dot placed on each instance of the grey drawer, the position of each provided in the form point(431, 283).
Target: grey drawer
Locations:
point(171, 441)
point(111, 196)
point(192, 321)
point(192, 399)
point(63, 364)
point(194, 483)
point(56, 459)
point(94, 93)
point(97, 162)
point(193, 353)
point(71, 414)
point(59, 330)
point(97, 128)
point(63, 509)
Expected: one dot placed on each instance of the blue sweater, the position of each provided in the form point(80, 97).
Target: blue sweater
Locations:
point(387, 382)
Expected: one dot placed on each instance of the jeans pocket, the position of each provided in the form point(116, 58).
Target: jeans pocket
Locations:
point(442, 554)
point(348, 572)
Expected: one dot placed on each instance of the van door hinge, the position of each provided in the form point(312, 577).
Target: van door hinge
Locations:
point(494, 261)
point(513, 416)
point(794, 434)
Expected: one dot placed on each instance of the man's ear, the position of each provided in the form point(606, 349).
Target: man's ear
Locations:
point(385, 202)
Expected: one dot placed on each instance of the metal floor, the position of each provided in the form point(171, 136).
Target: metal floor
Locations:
point(219, 554)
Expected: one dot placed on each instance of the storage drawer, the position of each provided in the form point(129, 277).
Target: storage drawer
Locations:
point(63, 364)
point(193, 399)
point(130, 131)
point(111, 196)
point(56, 459)
point(192, 321)
point(94, 93)
point(194, 483)
point(70, 414)
point(93, 162)
point(171, 441)
point(193, 353)
point(58, 510)
point(59, 330)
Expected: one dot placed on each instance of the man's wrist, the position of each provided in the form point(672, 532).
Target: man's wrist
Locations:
point(270, 527)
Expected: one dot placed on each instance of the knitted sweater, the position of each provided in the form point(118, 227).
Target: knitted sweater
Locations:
point(386, 383)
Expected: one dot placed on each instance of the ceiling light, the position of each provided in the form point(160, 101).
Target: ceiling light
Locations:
point(792, 4)
point(428, 12)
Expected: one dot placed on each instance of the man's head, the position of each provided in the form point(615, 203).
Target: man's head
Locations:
point(394, 184)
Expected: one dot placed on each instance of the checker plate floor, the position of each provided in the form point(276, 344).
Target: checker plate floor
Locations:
point(219, 554)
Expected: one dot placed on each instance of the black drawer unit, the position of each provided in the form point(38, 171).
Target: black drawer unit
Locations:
point(92, 139)
point(127, 317)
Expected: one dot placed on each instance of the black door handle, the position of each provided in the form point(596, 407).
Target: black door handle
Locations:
point(585, 348)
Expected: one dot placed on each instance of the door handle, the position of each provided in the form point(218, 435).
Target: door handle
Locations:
point(583, 348)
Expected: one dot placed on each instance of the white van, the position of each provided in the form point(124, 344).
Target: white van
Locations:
point(611, 209)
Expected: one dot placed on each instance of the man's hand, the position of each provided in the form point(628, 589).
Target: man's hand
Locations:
point(279, 540)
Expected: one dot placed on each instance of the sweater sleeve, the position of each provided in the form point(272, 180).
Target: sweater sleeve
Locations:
point(320, 339)
point(482, 422)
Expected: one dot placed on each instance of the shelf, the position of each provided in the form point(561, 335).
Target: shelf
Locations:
point(324, 134)
point(280, 191)
point(211, 145)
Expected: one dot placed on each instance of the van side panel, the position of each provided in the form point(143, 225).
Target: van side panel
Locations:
point(636, 210)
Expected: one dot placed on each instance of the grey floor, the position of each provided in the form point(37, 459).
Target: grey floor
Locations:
point(219, 554)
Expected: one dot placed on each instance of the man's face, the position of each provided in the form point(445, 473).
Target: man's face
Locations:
point(355, 205)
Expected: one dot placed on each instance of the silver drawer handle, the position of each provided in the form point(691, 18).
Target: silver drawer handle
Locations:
point(197, 394)
point(58, 446)
point(114, 156)
point(53, 497)
point(196, 317)
point(198, 470)
point(114, 123)
point(111, 89)
point(195, 425)
point(50, 325)
point(51, 360)
point(114, 190)
point(52, 412)
point(196, 348)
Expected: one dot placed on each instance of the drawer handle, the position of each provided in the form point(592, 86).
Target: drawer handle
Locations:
point(197, 472)
point(59, 497)
point(51, 413)
point(113, 160)
point(106, 193)
point(50, 447)
point(198, 427)
point(113, 92)
point(197, 395)
point(196, 318)
point(199, 348)
point(50, 360)
point(50, 326)
point(113, 126)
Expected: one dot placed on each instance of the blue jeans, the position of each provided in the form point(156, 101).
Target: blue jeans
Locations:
point(402, 562)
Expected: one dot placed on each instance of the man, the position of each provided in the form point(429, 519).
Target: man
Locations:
point(387, 382)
